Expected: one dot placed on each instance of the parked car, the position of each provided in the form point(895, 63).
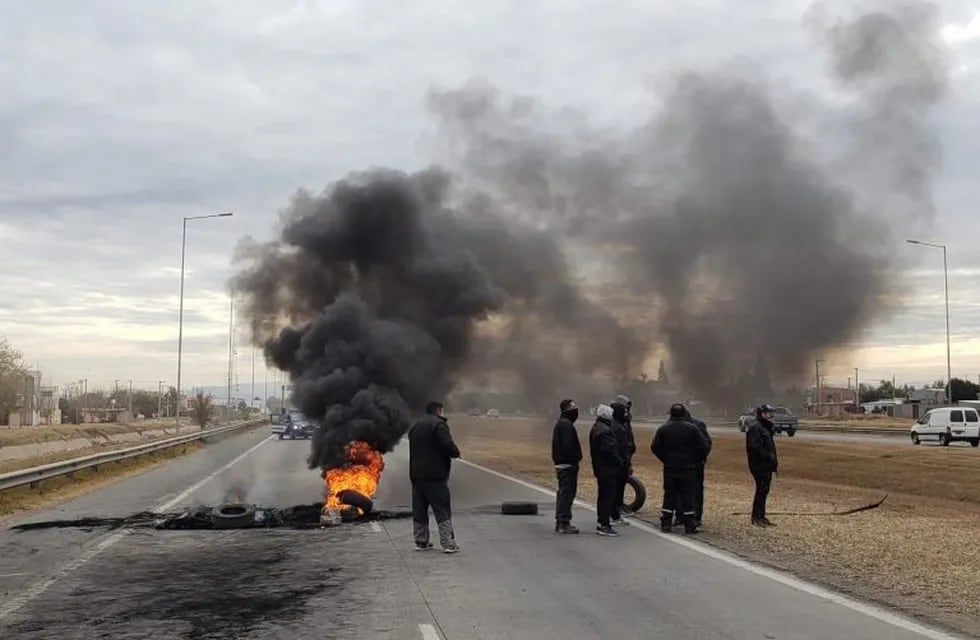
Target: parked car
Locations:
point(948, 424)
point(783, 421)
point(493, 413)
point(295, 426)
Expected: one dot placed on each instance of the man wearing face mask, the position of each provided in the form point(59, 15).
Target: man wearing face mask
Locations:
point(760, 448)
point(627, 447)
point(566, 453)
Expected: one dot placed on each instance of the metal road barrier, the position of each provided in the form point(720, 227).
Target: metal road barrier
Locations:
point(34, 475)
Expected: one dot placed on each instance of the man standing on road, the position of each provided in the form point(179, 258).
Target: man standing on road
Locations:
point(699, 471)
point(760, 447)
point(430, 453)
point(607, 465)
point(681, 447)
point(566, 453)
point(627, 447)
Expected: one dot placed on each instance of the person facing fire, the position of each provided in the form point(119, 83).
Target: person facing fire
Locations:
point(607, 465)
point(622, 427)
point(566, 454)
point(430, 453)
point(681, 447)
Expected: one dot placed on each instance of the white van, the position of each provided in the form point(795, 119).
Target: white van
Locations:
point(948, 424)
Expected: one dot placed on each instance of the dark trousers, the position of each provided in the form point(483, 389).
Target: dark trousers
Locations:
point(606, 497)
point(679, 489)
point(567, 489)
point(763, 481)
point(434, 494)
point(621, 483)
point(697, 496)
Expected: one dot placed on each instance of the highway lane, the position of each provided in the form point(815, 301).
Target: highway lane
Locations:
point(513, 579)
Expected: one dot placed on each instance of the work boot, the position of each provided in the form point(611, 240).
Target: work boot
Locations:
point(567, 528)
point(690, 526)
point(606, 530)
point(758, 522)
point(766, 522)
point(665, 525)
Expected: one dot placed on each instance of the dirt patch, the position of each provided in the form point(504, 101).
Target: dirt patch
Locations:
point(82, 482)
point(916, 552)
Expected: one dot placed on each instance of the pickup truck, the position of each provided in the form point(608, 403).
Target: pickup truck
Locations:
point(783, 421)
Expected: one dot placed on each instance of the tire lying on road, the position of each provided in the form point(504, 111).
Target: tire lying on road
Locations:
point(232, 515)
point(356, 499)
point(517, 508)
point(639, 494)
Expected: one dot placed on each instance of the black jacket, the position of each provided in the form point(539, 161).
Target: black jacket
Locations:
point(430, 449)
point(624, 438)
point(565, 446)
point(679, 444)
point(604, 449)
point(760, 447)
point(703, 428)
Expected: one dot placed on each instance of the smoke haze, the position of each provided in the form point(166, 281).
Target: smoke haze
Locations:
point(717, 230)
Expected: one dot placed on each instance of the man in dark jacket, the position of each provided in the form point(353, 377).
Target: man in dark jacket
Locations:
point(627, 447)
point(566, 453)
point(699, 473)
point(681, 447)
point(606, 465)
point(760, 448)
point(430, 453)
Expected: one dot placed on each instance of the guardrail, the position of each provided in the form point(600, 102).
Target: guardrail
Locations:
point(34, 475)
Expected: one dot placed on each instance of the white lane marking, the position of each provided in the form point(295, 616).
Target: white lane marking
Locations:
point(429, 632)
point(872, 611)
point(375, 527)
point(41, 586)
point(12, 575)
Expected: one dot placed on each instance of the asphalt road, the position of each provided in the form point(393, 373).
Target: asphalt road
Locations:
point(514, 578)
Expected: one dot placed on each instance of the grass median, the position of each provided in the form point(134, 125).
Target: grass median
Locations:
point(12, 436)
point(917, 551)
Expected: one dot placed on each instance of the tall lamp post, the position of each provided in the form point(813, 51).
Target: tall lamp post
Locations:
point(949, 368)
point(180, 317)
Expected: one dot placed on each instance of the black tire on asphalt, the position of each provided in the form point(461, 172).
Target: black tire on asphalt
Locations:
point(791, 432)
point(639, 494)
point(356, 499)
point(516, 508)
point(348, 514)
point(944, 439)
point(975, 442)
point(233, 515)
point(915, 438)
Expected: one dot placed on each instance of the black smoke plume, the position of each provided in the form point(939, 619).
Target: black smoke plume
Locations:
point(371, 295)
point(747, 229)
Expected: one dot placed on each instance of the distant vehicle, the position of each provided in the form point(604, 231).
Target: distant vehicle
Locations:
point(493, 413)
point(783, 420)
point(296, 427)
point(475, 412)
point(948, 424)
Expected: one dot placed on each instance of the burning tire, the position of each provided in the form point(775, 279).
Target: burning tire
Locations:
point(639, 494)
point(356, 499)
point(519, 508)
point(232, 516)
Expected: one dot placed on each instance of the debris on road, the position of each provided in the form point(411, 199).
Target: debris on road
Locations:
point(225, 516)
point(846, 512)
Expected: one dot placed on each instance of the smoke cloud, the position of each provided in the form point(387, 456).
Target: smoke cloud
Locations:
point(721, 230)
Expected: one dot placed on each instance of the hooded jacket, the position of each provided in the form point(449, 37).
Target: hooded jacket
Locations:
point(679, 444)
point(565, 445)
point(430, 449)
point(760, 446)
point(603, 446)
point(703, 428)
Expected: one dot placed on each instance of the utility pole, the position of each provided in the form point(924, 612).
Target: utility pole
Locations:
point(251, 399)
point(159, 398)
point(130, 399)
point(231, 330)
point(857, 390)
point(817, 362)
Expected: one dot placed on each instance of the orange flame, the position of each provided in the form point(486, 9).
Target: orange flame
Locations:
point(362, 474)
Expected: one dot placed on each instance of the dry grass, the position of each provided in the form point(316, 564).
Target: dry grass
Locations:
point(27, 435)
point(916, 552)
point(82, 482)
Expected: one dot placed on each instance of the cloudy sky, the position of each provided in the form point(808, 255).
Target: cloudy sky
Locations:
point(119, 118)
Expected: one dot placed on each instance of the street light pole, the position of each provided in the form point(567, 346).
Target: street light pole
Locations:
point(949, 366)
point(180, 317)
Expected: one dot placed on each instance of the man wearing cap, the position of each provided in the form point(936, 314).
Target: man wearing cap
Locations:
point(760, 448)
point(627, 447)
point(566, 453)
point(607, 466)
point(681, 447)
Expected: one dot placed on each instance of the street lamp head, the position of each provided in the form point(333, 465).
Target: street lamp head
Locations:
point(225, 215)
point(913, 242)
